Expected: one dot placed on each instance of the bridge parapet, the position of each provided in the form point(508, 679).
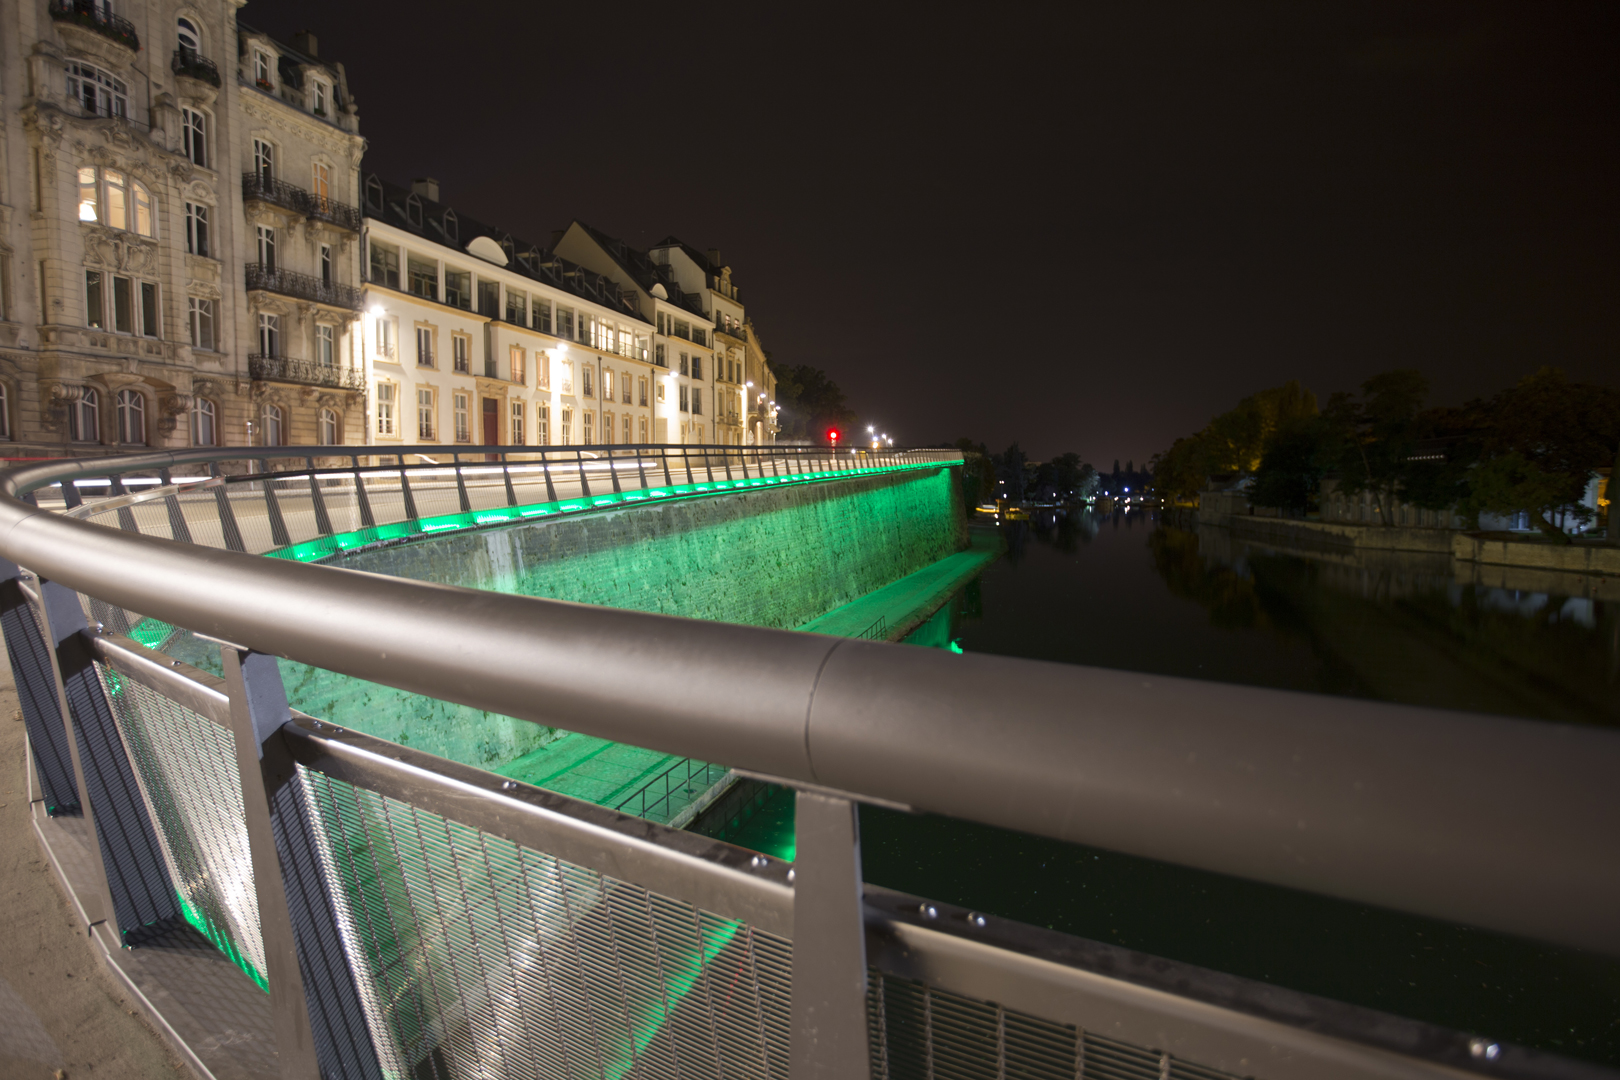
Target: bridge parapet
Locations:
point(416, 916)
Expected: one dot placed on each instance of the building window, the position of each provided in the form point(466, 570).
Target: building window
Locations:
point(627, 437)
point(697, 366)
point(658, 355)
point(540, 315)
point(424, 346)
point(567, 425)
point(624, 387)
point(607, 428)
point(660, 391)
point(264, 160)
point(423, 277)
point(263, 70)
point(265, 245)
point(320, 184)
point(385, 265)
point(489, 298)
point(188, 37)
point(463, 426)
point(84, 416)
point(131, 418)
point(413, 210)
point(685, 367)
point(520, 367)
point(194, 132)
point(325, 346)
point(269, 335)
point(327, 428)
point(542, 424)
point(116, 200)
point(641, 389)
point(460, 350)
point(517, 438)
point(697, 401)
point(96, 91)
point(449, 225)
point(685, 400)
point(321, 95)
point(517, 307)
point(565, 323)
point(424, 413)
point(203, 428)
point(197, 229)
point(607, 384)
point(94, 316)
point(272, 432)
point(150, 310)
point(643, 425)
point(586, 372)
point(202, 323)
point(385, 337)
point(458, 288)
point(585, 433)
point(374, 193)
point(326, 264)
point(385, 408)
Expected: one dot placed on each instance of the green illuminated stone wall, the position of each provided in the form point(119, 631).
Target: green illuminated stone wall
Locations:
point(776, 557)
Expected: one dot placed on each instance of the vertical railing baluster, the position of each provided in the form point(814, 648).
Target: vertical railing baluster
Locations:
point(70, 494)
point(229, 532)
point(126, 517)
point(272, 508)
point(367, 519)
point(545, 467)
point(461, 485)
point(613, 472)
point(829, 1036)
point(178, 529)
point(663, 455)
point(584, 483)
point(405, 490)
point(641, 466)
point(686, 459)
point(506, 478)
point(37, 693)
point(317, 499)
point(708, 464)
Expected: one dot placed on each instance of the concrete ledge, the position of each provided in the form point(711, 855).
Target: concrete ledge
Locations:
point(1568, 558)
point(1339, 534)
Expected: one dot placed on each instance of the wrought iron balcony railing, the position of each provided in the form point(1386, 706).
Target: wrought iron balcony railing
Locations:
point(93, 16)
point(187, 63)
point(304, 372)
point(303, 286)
point(256, 185)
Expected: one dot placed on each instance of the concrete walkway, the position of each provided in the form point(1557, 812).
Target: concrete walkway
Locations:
point(61, 1013)
point(906, 604)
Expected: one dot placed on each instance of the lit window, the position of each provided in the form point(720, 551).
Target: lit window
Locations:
point(385, 408)
point(424, 413)
point(131, 418)
point(585, 434)
point(517, 438)
point(321, 184)
point(520, 371)
point(463, 429)
point(542, 420)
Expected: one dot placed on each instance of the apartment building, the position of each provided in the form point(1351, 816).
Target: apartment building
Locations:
point(683, 343)
point(177, 225)
point(759, 390)
point(472, 335)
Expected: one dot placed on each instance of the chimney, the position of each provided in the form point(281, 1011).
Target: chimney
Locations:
point(426, 187)
point(305, 42)
point(714, 258)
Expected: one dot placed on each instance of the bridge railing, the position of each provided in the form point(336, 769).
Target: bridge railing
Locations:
point(412, 916)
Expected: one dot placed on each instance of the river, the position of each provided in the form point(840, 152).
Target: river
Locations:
point(1129, 591)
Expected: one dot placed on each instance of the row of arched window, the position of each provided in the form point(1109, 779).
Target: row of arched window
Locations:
point(129, 415)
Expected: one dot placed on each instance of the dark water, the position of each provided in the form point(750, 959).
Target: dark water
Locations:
point(1128, 591)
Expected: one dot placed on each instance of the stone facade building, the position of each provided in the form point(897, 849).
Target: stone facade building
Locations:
point(179, 244)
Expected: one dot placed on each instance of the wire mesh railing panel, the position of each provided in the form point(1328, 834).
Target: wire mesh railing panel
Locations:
point(919, 1033)
point(342, 506)
point(185, 765)
point(297, 507)
point(252, 512)
point(200, 510)
point(385, 496)
point(481, 958)
point(486, 485)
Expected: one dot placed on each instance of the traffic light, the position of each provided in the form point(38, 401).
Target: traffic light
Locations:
point(832, 436)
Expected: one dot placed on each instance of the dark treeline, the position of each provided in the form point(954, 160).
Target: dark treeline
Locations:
point(1533, 447)
point(1011, 475)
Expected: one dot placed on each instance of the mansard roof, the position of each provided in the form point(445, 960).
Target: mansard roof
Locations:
point(641, 269)
point(439, 224)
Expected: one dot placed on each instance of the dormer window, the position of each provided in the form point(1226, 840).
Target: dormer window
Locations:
point(263, 70)
point(450, 225)
point(374, 194)
point(321, 98)
point(413, 210)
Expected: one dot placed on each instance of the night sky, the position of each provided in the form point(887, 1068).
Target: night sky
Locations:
point(1085, 231)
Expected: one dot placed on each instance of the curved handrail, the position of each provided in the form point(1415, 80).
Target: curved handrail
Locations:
point(1501, 823)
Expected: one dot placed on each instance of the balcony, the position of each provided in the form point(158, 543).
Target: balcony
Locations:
point(304, 372)
point(256, 186)
point(303, 286)
point(189, 65)
point(93, 17)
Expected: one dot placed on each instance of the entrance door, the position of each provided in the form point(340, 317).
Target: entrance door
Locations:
point(492, 426)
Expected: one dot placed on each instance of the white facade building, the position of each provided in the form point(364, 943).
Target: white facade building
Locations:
point(472, 336)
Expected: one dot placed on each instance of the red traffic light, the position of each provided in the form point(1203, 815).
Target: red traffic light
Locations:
point(833, 435)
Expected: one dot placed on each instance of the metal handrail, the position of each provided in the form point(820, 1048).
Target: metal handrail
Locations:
point(1494, 822)
point(304, 372)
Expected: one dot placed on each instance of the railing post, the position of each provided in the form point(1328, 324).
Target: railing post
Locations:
point(461, 484)
point(613, 472)
point(584, 484)
point(686, 459)
point(229, 532)
point(405, 490)
point(545, 469)
point(323, 520)
point(506, 478)
point(178, 529)
point(367, 520)
point(272, 508)
point(663, 455)
point(641, 466)
point(132, 886)
point(829, 1040)
point(37, 694)
point(315, 1006)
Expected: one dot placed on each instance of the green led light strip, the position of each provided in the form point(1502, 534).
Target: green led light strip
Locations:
point(325, 547)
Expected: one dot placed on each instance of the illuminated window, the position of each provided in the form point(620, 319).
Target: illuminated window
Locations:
point(116, 200)
point(567, 426)
point(585, 434)
point(385, 408)
point(424, 413)
point(463, 428)
point(517, 438)
point(520, 373)
point(607, 427)
point(607, 384)
point(542, 424)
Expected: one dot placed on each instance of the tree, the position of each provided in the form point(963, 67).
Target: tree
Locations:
point(1290, 473)
point(978, 471)
point(811, 403)
point(1010, 472)
point(1370, 442)
point(1543, 441)
point(1234, 442)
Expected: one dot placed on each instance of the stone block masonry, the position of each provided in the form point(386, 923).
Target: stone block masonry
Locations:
point(777, 557)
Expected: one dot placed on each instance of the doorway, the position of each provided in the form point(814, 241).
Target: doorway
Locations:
point(492, 426)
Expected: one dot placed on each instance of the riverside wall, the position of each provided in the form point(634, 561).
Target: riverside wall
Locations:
point(777, 557)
